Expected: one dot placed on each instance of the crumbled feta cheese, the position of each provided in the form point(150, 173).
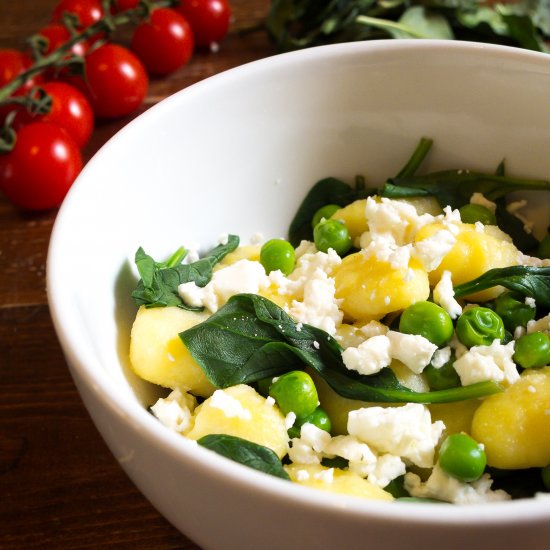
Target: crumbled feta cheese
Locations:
point(326, 476)
point(530, 302)
point(406, 431)
point(431, 251)
point(514, 209)
point(300, 452)
point(317, 438)
point(290, 419)
point(350, 448)
point(223, 239)
point(302, 475)
point(242, 276)
point(231, 407)
point(412, 350)
point(492, 362)
point(175, 410)
point(441, 357)
point(481, 200)
point(540, 325)
point(369, 357)
point(387, 468)
point(444, 295)
point(270, 401)
point(444, 487)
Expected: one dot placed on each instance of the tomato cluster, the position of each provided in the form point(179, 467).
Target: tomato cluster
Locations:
point(46, 156)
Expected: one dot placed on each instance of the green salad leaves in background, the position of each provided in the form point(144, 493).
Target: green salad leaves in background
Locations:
point(296, 24)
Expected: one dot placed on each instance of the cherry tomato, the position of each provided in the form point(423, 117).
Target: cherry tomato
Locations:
point(116, 81)
point(87, 11)
point(164, 43)
point(12, 64)
point(70, 110)
point(209, 19)
point(123, 5)
point(41, 168)
point(56, 35)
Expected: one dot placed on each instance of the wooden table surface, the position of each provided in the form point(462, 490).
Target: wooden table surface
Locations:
point(60, 487)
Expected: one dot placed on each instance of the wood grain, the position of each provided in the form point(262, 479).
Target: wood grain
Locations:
point(60, 487)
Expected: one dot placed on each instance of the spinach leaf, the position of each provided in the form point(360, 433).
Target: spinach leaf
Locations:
point(529, 281)
point(325, 191)
point(158, 286)
point(245, 452)
point(455, 187)
point(251, 338)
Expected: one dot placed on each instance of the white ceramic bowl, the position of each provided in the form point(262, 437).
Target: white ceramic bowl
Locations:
point(236, 153)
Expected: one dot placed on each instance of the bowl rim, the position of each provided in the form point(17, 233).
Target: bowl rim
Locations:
point(92, 374)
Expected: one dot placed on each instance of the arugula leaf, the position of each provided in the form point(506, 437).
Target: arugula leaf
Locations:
point(158, 286)
point(325, 191)
point(294, 24)
point(245, 452)
point(529, 281)
point(251, 338)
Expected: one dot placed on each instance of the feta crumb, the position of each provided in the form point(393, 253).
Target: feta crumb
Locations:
point(492, 362)
point(387, 468)
point(302, 453)
point(444, 487)
point(441, 357)
point(223, 239)
point(412, 350)
point(406, 431)
point(540, 325)
point(444, 295)
point(514, 209)
point(270, 401)
point(374, 328)
point(326, 476)
point(350, 448)
point(231, 407)
point(369, 357)
point(530, 302)
point(317, 438)
point(290, 419)
point(481, 200)
point(431, 251)
point(175, 410)
point(302, 475)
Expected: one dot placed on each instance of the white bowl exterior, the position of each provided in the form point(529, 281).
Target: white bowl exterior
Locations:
point(236, 153)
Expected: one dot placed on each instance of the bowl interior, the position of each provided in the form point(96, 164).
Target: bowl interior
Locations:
point(237, 153)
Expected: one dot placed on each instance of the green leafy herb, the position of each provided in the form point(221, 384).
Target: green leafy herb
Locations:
point(528, 281)
point(325, 191)
point(245, 452)
point(251, 338)
point(295, 24)
point(158, 286)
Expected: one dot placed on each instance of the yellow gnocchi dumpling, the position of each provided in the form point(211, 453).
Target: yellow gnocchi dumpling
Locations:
point(242, 412)
point(246, 252)
point(335, 480)
point(473, 254)
point(157, 353)
point(370, 288)
point(514, 426)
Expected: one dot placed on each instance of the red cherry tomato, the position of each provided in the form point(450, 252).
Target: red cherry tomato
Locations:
point(209, 19)
point(116, 81)
point(12, 64)
point(123, 5)
point(41, 168)
point(70, 110)
point(164, 43)
point(87, 11)
point(56, 35)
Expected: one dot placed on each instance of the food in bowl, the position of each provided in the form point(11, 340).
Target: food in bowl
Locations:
point(396, 346)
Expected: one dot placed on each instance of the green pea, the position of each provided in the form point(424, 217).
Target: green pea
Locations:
point(513, 310)
point(472, 213)
point(429, 320)
point(545, 473)
point(318, 417)
point(532, 350)
point(462, 457)
point(444, 377)
point(278, 254)
point(543, 250)
point(479, 326)
point(332, 234)
point(295, 392)
point(325, 212)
